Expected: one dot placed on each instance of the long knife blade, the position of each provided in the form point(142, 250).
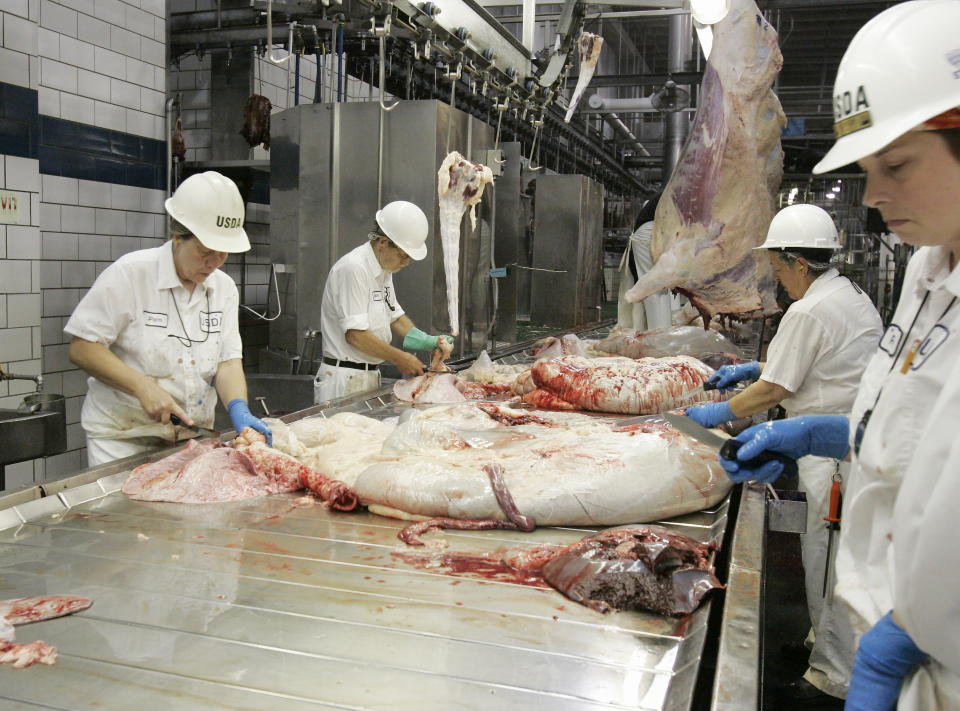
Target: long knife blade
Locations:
point(728, 447)
point(692, 429)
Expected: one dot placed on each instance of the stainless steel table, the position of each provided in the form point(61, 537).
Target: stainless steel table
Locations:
point(262, 604)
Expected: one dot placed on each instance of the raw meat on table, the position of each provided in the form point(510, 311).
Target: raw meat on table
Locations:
point(719, 201)
point(33, 609)
point(617, 385)
point(210, 472)
point(444, 388)
point(672, 341)
point(560, 468)
point(626, 568)
point(484, 370)
point(460, 185)
point(553, 347)
point(589, 45)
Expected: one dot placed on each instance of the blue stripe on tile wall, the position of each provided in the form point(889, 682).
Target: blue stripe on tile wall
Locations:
point(78, 150)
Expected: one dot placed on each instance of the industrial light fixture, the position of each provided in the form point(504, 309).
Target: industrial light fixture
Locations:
point(709, 12)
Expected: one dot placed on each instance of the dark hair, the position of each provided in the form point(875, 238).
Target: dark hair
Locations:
point(648, 210)
point(952, 137)
point(818, 259)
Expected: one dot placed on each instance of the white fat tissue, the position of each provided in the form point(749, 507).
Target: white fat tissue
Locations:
point(561, 468)
point(460, 185)
point(553, 347)
point(484, 370)
point(444, 388)
point(625, 386)
point(675, 340)
point(590, 46)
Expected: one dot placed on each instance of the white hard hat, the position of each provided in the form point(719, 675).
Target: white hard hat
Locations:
point(210, 206)
point(901, 69)
point(406, 225)
point(801, 226)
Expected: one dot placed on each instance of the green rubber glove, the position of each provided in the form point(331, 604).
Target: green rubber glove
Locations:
point(417, 340)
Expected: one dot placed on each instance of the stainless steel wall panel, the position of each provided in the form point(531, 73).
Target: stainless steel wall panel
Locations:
point(568, 241)
point(324, 167)
point(509, 239)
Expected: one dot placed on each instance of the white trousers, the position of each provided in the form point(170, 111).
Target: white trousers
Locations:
point(655, 310)
point(334, 382)
point(831, 659)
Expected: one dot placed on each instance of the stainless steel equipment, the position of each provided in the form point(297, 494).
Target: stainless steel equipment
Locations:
point(263, 604)
point(323, 197)
point(566, 284)
point(510, 227)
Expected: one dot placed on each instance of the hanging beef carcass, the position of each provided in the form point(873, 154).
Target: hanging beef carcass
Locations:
point(720, 199)
point(25, 610)
point(460, 185)
point(589, 46)
point(618, 385)
point(178, 146)
point(256, 121)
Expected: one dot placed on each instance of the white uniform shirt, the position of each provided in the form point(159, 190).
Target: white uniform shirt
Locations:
point(823, 345)
point(358, 295)
point(911, 434)
point(139, 309)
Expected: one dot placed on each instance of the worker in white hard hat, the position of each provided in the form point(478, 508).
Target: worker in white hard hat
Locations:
point(158, 331)
point(655, 311)
point(897, 114)
point(813, 366)
point(360, 314)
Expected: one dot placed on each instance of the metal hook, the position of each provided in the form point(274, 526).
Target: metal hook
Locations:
point(533, 146)
point(270, 37)
point(383, 63)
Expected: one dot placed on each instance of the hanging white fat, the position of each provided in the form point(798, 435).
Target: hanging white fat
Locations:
point(590, 45)
point(459, 185)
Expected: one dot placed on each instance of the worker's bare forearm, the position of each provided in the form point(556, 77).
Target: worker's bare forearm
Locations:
point(401, 325)
point(759, 396)
point(230, 381)
point(373, 346)
point(103, 364)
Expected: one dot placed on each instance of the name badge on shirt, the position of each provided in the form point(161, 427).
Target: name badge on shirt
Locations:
point(891, 339)
point(376, 295)
point(936, 338)
point(157, 320)
point(211, 321)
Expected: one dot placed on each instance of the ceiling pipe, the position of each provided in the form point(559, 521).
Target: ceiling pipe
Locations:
point(677, 124)
point(622, 128)
point(599, 104)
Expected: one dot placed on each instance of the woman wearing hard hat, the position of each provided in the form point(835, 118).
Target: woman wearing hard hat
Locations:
point(814, 365)
point(158, 330)
point(359, 312)
point(897, 113)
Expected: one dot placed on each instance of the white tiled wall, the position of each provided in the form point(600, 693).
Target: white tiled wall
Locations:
point(20, 298)
point(103, 63)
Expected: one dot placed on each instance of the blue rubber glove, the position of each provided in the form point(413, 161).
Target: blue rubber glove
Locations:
point(710, 414)
point(822, 435)
point(241, 417)
point(417, 340)
point(885, 656)
point(729, 375)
